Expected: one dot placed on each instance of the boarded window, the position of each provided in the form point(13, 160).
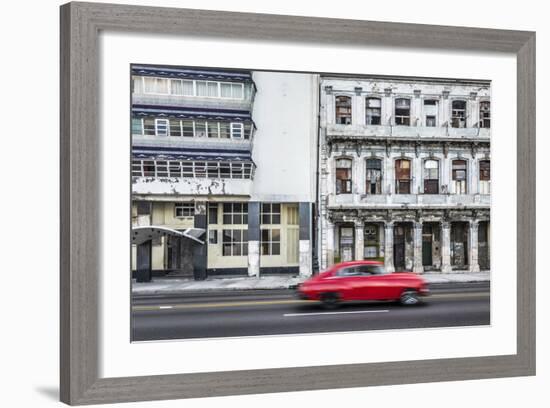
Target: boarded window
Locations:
point(431, 177)
point(374, 111)
point(458, 115)
point(343, 176)
point(485, 114)
point(402, 112)
point(459, 175)
point(343, 110)
point(403, 176)
point(374, 176)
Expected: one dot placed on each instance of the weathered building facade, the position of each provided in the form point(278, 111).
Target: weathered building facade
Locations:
point(405, 172)
point(213, 172)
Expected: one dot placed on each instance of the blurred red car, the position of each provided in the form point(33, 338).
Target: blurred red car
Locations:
point(363, 280)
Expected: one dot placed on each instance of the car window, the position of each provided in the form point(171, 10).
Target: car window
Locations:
point(373, 269)
point(349, 271)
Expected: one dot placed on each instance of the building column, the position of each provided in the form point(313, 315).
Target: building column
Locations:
point(359, 240)
point(304, 246)
point(388, 247)
point(254, 239)
point(144, 271)
point(446, 247)
point(474, 258)
point(417, 245)
point(200, 254)
point(329, 255)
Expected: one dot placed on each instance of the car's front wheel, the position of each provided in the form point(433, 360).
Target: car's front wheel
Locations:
point(330, 300)
point(409, 297)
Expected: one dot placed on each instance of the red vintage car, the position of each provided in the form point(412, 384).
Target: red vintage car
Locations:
point(363, 280)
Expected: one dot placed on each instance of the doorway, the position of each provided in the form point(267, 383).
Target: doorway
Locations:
point(459, 245)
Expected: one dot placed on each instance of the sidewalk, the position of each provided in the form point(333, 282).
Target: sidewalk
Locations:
point(174, 285)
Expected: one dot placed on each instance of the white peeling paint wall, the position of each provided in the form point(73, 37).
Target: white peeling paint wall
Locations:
point(285, 112)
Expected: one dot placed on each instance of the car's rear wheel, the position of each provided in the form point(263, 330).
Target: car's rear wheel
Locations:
point(409, 297)
point(330, 300)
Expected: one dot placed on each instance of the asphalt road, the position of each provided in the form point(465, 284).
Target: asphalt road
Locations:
point(268, 312)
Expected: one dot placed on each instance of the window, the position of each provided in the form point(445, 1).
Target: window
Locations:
point(207, 89)
point(212, 237)
point(155, 85)
point(235, 213)
point(200, 128)
point(458, 114)
point(182, 210)
point(484, 177)
point(161, 127)
point(271, 242)
point(403, 176)
point(149, 128)
point(402, 112)
point(371, 241)
point(213, 129)
point(137, 126)
point(225, 131)
point(235, 242)
point(231, 90)
point(187, 128)
point(343, 110)
point(343, 176)
point(374, 176)
point(374, 111)
point(431, 177)
point(196, 169)
point(237, 130)
point(212, 213)
point(459, 176)
point(175, 127)
point(485, 114)
point(430, 112)
point(271, 213)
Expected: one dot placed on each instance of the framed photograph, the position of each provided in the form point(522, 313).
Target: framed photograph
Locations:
point(322, 189)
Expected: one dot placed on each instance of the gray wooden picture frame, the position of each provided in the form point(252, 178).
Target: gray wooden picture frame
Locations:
point(81, 24)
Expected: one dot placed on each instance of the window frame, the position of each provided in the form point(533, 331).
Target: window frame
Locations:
point(483, 119)
point(367, 108)
point(339, 181)
point(407, 117)
point(184, 206)
point(379, 184)
point(425, 173)
point(453, 116)
point(336, 113)
point(398, 181)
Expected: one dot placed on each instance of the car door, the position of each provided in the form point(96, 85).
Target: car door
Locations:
point(373, 284)
point(348, 282)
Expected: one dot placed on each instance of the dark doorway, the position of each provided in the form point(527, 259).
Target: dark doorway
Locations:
point(483, 245)
point(459, 245)
point(179, 257)
point(427, 245)
point(402, 233)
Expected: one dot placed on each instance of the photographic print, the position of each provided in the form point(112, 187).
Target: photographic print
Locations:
point(269, 203)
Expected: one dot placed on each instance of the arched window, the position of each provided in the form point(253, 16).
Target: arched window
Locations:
point(460, 176)
point(374, 176)
point(485, 114)
point(431, 177)
point(402, 112)
point(485, 177)
point(403, 176)
point(343, 110)
point(374, 111)
point(458, 114)
point(343, 176)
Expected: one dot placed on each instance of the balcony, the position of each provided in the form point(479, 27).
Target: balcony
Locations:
point(180, 142)
point(192, 101)
point(336, 132)
point(408, 200)
point(170, 186)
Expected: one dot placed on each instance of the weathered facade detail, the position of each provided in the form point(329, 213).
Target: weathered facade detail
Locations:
point(405, 173)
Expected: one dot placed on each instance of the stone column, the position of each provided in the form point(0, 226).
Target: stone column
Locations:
point(474, 260)
point(359, 241)
point(446, 247)
point(304, 247)
point(388, 247)
point(254, 238)
point(144, 262)
point(329, 259)
point(417, 264)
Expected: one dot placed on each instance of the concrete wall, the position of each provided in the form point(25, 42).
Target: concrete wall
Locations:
point(285, 112)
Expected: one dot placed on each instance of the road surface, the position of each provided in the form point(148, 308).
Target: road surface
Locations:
point(268, 312)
